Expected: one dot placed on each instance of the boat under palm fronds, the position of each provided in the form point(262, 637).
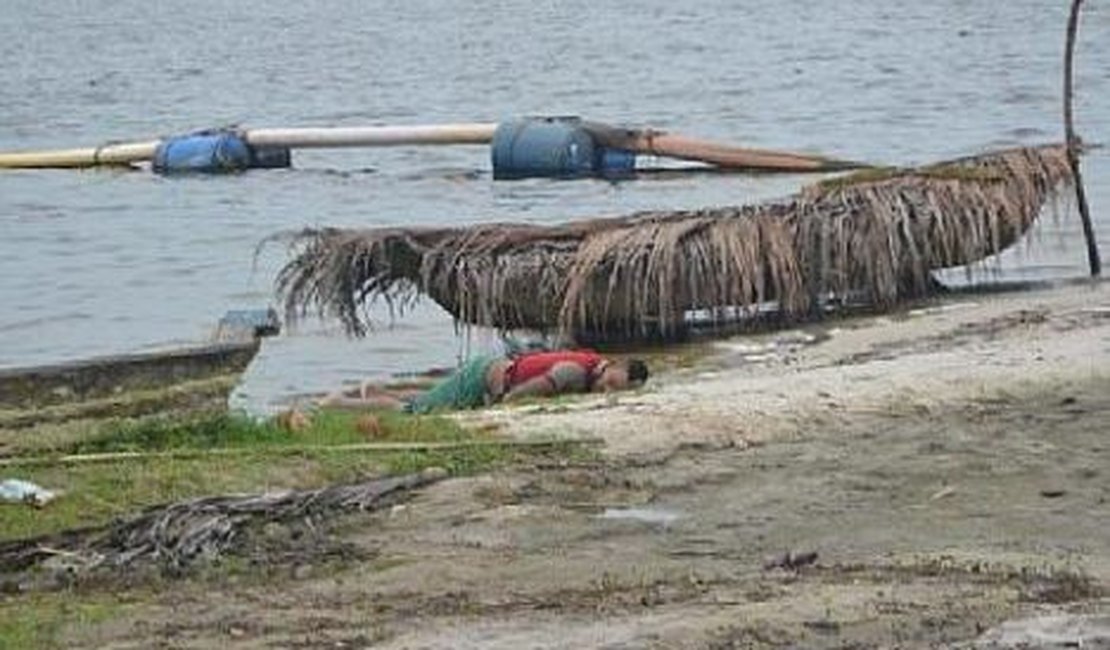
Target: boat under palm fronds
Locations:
point(875, 234)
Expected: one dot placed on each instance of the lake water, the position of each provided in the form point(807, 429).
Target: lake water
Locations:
point(99, 262)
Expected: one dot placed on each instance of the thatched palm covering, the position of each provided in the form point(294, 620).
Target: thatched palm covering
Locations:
point(878, 233)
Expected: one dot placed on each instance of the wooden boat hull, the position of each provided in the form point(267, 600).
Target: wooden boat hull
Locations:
point(185, 379)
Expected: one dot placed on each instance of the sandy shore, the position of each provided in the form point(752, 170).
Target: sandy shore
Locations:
point(965, 349)
point(911, 480)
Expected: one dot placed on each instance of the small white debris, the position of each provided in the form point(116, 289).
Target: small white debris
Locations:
point(14, 490)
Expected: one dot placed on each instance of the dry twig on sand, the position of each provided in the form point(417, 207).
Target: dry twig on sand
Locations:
point(176, 535)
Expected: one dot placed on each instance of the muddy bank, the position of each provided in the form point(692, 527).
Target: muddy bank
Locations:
point(932, 475)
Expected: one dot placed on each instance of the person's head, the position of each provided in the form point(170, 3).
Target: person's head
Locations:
point(622, 375)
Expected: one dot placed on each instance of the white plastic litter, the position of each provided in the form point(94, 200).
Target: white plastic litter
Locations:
point(1053, 631)
point(14, 490)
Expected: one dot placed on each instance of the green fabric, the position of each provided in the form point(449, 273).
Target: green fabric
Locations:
point(464, 389)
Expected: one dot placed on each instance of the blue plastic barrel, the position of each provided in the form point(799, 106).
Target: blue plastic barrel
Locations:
point(553, 147)
point(614, 163)
point(214, 152)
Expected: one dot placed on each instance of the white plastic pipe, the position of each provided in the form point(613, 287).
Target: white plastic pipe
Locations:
point(111, 154)
point(371, 136)
point(292, 138)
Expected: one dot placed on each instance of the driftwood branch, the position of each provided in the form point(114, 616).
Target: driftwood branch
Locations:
point(175, 536)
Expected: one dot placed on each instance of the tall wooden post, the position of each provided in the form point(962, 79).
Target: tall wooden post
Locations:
point(1073, 143)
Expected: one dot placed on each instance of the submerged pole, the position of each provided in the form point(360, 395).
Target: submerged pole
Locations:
point(671, 145)
point(1073, 144)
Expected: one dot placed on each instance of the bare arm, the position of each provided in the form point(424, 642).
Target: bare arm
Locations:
point(369, 396)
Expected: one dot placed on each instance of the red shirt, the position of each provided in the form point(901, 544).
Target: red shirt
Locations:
point(536, 364)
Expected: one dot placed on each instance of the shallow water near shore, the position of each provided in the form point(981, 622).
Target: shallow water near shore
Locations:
point(105, 262)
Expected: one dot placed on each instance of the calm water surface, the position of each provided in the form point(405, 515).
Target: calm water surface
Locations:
point(102, 262)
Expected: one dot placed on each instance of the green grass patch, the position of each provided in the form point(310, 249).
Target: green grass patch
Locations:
point(39, 621)
point(161, 434)
point(46, 438)
point(231, 430)
point(268, 457)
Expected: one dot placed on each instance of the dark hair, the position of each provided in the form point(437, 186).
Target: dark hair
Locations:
point(637, 371)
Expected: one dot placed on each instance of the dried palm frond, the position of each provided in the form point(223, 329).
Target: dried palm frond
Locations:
point(176, 535)
point(877, 233)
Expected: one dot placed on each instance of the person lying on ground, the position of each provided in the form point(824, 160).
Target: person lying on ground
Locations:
point(486, 380)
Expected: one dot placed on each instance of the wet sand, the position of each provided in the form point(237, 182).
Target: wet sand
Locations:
point(909, 480)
